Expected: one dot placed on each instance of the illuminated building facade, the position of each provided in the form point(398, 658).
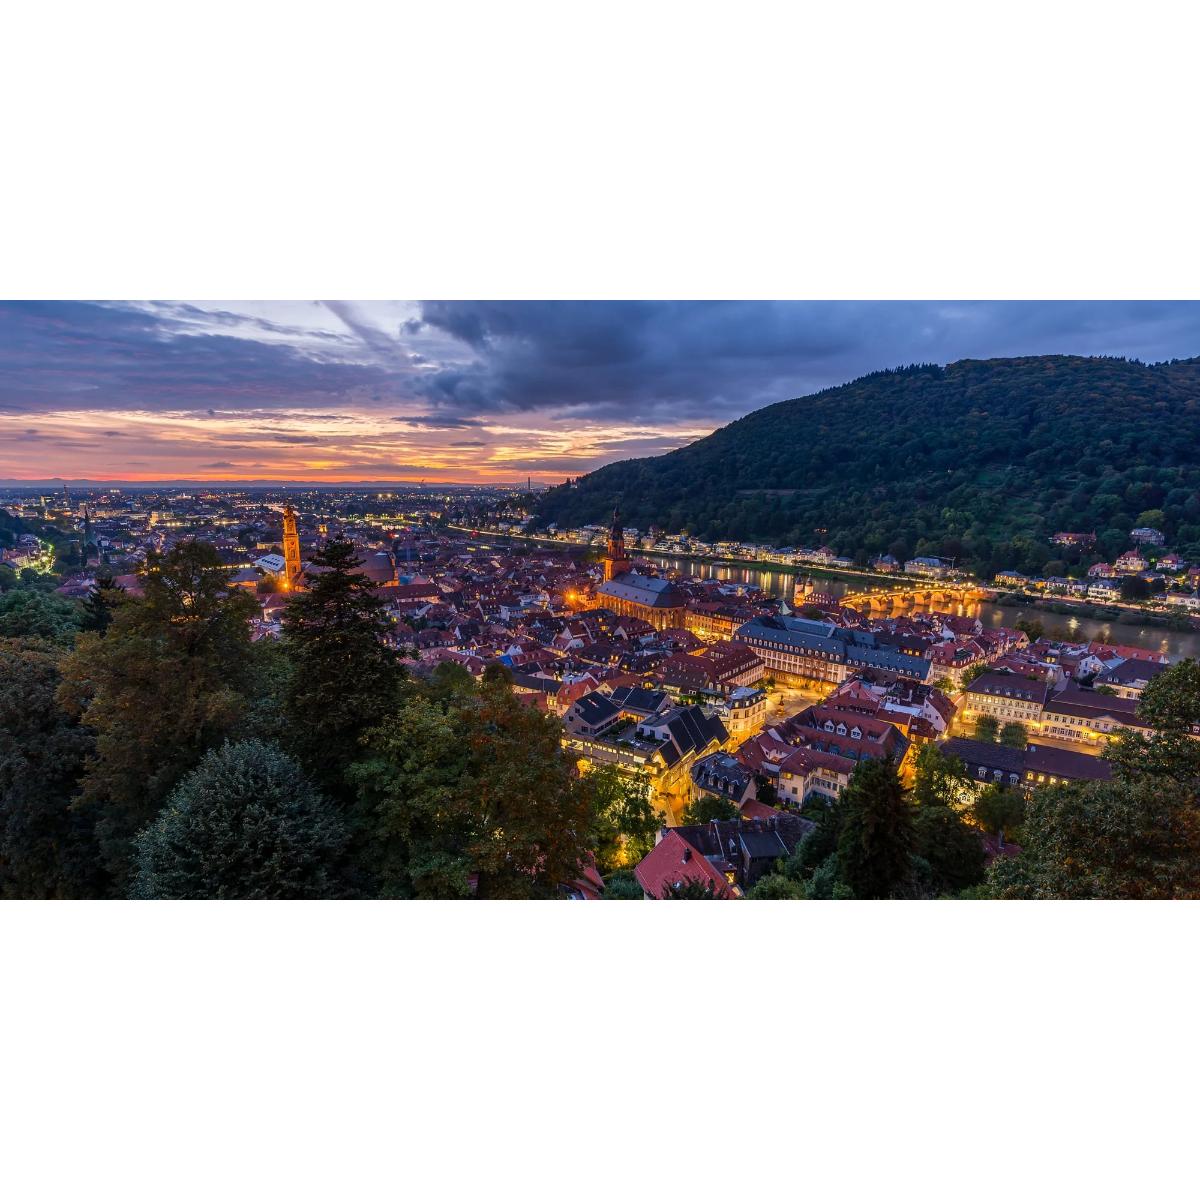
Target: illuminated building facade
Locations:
point(291, 547)
point(624, 591)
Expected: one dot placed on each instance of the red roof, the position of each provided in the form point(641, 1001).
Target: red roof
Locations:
point(756, 809)
point(673, 861)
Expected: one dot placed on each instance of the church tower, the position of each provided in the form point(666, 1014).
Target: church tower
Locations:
point(615, 561)
point(291, 547)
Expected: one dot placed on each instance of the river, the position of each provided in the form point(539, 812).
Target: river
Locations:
point(1174, 644)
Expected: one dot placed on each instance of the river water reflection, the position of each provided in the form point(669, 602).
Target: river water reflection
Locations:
point(1076, 629)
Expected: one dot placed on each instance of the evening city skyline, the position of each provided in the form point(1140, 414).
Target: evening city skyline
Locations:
point(472, 391)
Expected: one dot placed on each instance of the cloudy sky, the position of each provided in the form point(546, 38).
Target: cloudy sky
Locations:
point(470, 391)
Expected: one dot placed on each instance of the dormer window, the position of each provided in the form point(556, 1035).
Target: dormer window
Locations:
point(856, 733)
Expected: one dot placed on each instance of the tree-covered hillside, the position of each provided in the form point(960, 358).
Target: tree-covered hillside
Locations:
point(981, 461)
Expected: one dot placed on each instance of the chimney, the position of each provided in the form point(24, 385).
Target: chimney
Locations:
point(687, 854)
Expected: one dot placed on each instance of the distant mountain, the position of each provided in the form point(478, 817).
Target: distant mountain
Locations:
point(981, 461)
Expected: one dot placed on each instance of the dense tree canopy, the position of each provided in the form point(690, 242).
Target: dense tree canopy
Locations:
point(953, 850)
point(708, 806)
point(999, 809)
point(246, 824)
point(1171, 705)
point(940, 779)
point(626, 823)
point(47, 848)
point(1105, 841)
point(28, 613)
point(470, 794)
point(167, 682)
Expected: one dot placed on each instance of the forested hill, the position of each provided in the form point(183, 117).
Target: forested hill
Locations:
point(980, 460)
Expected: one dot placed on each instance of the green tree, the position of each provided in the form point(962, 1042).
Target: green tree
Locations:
point(25, 613)
point(1031, 627)
point(471, 795)
point(940, 779)
point(1118, 840)
point(777, 887)
point(47, 848)
point(626, 823)
point(1171, 705)
point(344, 676)
point(825, 885)
point(951, 848)
point(973, 673)
point(987, 728)
point(999, 809)
point(1134, 587)
point(622, 885)
point(708, 806)
point(820, 845)
point(1013, 734)
point(168, 682)
point(877, 834)
point(246, 824)
point(102, 598)
point(496, 674)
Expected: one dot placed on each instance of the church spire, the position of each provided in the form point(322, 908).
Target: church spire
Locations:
point(291, 547)
point(615, 561)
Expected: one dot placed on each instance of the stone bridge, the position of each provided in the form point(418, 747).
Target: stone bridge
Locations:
point(917, 596)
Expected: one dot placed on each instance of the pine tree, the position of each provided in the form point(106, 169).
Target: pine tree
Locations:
point(344, 676)
point(98, 606)
point(246, 824)
point(877, 832)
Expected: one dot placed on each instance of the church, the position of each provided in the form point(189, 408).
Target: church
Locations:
point(656, 600)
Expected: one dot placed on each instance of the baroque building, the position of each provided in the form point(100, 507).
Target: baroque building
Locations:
point(626, 592)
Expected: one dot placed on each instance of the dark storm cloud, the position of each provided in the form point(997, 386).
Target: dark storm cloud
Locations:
point(634, 364)
point(715, 360)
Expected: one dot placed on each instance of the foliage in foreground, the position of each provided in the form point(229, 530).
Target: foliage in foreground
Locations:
point(246, 824)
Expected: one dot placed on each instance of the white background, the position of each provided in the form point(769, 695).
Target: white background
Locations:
point(263, 150)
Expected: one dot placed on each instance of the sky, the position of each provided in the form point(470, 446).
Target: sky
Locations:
point(471, 391)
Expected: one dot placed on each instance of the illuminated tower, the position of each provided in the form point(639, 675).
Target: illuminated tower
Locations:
point(615, 562)
point(291, 547)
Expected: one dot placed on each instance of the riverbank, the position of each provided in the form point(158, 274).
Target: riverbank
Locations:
point(1121, 614)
